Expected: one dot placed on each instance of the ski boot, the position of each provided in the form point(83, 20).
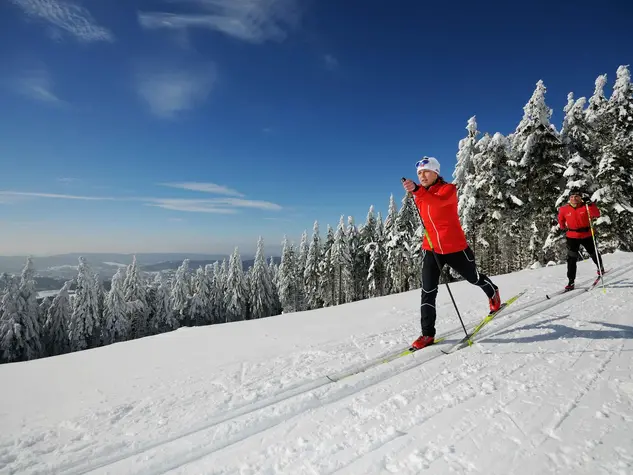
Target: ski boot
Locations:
point(422, 342)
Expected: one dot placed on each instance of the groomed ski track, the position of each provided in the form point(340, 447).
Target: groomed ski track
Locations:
point(360, 420)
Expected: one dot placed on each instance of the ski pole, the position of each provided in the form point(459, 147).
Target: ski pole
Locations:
point(598, 257)
point(439, 267)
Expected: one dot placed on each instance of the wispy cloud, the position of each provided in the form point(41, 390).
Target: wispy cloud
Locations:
point(205, 187)
point(330, 61)
point(217, 205)
point(170, 91)
point(66, 16)
point(226, 205)
point(36, 84)
point(8, 195)
point(194, 206)
point(67, 180)
point(242, 203)
point(255, 21)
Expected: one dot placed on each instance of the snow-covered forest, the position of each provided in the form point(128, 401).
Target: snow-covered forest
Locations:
point(509, 190)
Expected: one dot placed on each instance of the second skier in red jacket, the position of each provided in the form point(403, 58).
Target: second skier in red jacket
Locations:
point(574, 219)
point(436, 201)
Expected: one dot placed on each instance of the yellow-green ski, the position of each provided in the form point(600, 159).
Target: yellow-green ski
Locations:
point(468, 340)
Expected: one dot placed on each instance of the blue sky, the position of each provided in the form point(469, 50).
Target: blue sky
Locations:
point(198, 125)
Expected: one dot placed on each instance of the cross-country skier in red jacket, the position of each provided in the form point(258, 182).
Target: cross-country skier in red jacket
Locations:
point(436, 201)
point(574, 219)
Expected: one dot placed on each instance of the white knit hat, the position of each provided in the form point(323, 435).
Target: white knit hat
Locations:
point(428, 163)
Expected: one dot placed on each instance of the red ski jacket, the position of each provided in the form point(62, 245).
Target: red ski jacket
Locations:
point(438, 208)
point(576, 221)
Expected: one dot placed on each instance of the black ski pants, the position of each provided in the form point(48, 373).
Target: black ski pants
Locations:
point(463, 262)
point(573, 246)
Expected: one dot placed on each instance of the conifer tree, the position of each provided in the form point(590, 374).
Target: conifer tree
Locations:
point(117, 312)
point(287, 277)
point(342, 266)
point(134, 290)
point(311, 273)
point(163, 316)
point(28, 311)
point(357, 261)
point(181, 292)
point(81, 327)
point(12, 342)
point(326, 271)
point(236, 296)
point(464, 179)
point(57, 319)
point(261, 285)
point(201, 300)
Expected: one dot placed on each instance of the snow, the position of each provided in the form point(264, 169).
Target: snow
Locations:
point(544, 394)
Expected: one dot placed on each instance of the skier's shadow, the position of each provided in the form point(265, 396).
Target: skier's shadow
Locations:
point(557, 331)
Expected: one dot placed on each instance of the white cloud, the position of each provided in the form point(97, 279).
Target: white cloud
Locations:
point(330, 61)
point(71, 18)
point(205, 187)
point(241, 203)
point(194, 206)
point(36, 84)
point(8, 195)
point(255, 21)
point(169, 91)
point(215, 205)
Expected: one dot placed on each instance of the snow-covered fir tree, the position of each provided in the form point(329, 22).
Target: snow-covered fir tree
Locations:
point(538, 154)
point(42, 311)
point(218, 288)
point(326, 271)
point(116, 315)
point(84, 317)
point(368, 235)
point(12, 344)
point(236, 296)
point(287, 277)
point(398, 246)
point(134, 289)
point(57, 318)
point(261, 285)
point(595, 113)
point(615, 186)
point(201, 300)
point(311, 273)
point(579, 139)
point(181, 294)
point(474, 203)
point(464, 178)
point(359, 269)
point(163, 317)
point(302, 259)
point(100, 294)
point(376, 273)
point(273, 269)
point(388, 232)
point(342, 266)
point(496, 191)
point(28, 311)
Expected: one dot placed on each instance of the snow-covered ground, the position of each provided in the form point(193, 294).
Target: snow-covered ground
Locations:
point(547, 394)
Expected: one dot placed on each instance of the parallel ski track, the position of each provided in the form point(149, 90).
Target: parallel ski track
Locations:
point(302, 389)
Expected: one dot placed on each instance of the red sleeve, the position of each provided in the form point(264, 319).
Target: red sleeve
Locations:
point(446, 195)
point(594, 212)
point(561, 218)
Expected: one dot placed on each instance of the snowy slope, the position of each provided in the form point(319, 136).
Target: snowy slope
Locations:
point(552, 393)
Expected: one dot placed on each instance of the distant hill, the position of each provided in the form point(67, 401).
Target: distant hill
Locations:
point(14, 264)
point(194, 264)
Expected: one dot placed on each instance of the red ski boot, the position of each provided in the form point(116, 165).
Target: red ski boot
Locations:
point(422, 342)
point(495, 302)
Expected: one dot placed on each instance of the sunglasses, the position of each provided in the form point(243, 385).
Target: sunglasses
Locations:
point(424, 161)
